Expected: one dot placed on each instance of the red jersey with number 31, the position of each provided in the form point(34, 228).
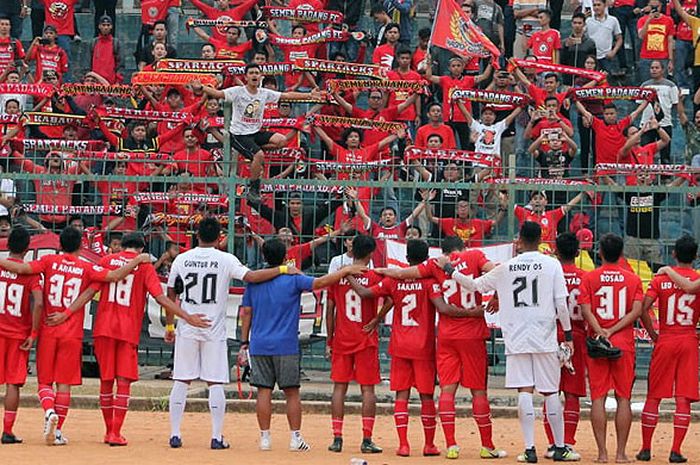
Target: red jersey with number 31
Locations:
point(678, 311)
point(413, 323)
point(65, 278)
point(15, 309)
point(610, 291)
point(122, 303)
point(352, 313)
point(469, 263)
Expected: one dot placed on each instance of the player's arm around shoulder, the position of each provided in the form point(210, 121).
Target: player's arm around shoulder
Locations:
point(330, 279)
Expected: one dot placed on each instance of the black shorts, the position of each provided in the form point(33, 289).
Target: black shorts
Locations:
point(250, 144)
point(268, 370)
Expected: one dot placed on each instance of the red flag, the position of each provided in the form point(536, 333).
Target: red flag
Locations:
point(455, 31)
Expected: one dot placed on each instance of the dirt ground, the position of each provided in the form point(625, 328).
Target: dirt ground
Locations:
point(148, 435)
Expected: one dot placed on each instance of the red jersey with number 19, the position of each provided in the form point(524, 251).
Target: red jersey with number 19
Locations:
point(121, 307)
point(65, 278)
point(470, 263)
point(678, 311)
point(611, 291)
point(15, 310)
point(352, 313)
point(413, 323)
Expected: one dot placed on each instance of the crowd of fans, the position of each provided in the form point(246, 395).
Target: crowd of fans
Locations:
point(642, 43)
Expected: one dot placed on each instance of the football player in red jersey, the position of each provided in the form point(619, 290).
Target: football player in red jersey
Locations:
point(19, 324)
point(572, 384)
point(611, 301)
point(461, 348)
point(675, 355)
point(60, 346)
point(117, 330)
point(354, 353)
point(412, 343)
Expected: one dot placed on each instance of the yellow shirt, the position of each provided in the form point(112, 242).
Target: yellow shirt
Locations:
point(695, 27)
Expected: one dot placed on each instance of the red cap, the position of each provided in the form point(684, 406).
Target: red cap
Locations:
point(585, 238)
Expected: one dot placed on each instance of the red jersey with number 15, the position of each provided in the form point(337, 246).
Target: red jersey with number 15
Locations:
point(678, 311)
point(65, 278)
point(352, 313)
point(122, 303)
point(470, 263)
point(611, 291)
point(413, 323)
point(573, 276)
point(15, 309)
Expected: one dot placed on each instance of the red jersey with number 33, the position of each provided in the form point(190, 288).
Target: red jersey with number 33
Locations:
point(413, 323)
point(352, 313)
point(610, 291)
point(678, 311)
point(15, 309)
point(122, 303)
point(573, 276)
point(469, 263)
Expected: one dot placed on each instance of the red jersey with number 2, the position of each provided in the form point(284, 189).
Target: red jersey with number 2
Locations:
point(678, 311)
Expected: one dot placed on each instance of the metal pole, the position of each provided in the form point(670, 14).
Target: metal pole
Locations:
point(232, 178)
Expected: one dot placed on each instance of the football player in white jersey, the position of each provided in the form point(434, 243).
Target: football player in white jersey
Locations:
point(201, 277)
point(532, 294)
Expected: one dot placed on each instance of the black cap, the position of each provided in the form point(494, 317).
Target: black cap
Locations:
point(105, 20)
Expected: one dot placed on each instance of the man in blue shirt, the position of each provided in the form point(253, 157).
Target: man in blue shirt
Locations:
point(270, 317)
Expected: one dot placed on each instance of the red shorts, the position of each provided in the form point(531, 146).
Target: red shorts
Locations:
point(362, 366)
point(59, 360)
point(462, 361)
point(576, 384)
point(117, 359)
point(407, 373)
point(674, 361)
point(604, 375)
point(13, 361)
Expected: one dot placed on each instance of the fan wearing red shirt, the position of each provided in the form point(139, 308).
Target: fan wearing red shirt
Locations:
point(384, 54)
point(609, 136)
point(633, 151)
point(117, 329)
point(472, 231)
point(61, 15)
point(223, 12)
point(48, 56)
point(611, 301)
point(11, 49)
point(195, 160)
point(60, 347)
point(293, 80)
point(412, 343)
point(354, 353)
point(297, 254)
point(404, 73)
point(675, 356)
point(546, 42)
point(435, 126)
point(547, 219)
point(656, 31)
point(461, 336)
point(227, 48)
point(19, 324)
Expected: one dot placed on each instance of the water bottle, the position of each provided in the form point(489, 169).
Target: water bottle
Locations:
point(356, 461)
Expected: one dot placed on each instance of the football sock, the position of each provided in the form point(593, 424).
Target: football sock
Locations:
point(106, 401)
point(47, 397)
point(178, 399)
point(401, 420)
point(337, 426)
point(8, 421)
point(681, 421)
point(572, 413)
point(427, 417)
point(121, 405)
point(367, 427)
point(526, 415)
point(650, 417)
point(62, 405)
point(481, 410)
point(547, 426)
point(446, 409)
point(555, 418)
point(217, 408)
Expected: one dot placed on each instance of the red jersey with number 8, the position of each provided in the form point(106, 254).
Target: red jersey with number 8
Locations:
point(678, 311)
point(352, 313)
point(15, 310)
point(573, 276)
point(611, 291)
point(413, 323)
point(122, 303)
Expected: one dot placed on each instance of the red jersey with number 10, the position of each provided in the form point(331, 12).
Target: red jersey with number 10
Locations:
point(65, 278)
point(413, 323)
point(470, 263)
point(573, 276)
point(678, 311)
point(15, 309)
point(122, 303)
point(352, 313)
point(610, 291)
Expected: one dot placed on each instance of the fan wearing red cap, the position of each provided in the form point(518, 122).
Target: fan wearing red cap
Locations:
point(547, 219)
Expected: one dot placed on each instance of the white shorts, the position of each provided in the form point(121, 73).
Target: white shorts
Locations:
point(205, 360)
point(539, 370)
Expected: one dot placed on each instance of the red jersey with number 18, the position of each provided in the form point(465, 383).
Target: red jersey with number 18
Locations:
point(678, 311)
point(352, 313)
point(65, 278)
point(470, 263)
point(610, 291)
point(413, 323)
point(15, 310)
point(122, 303)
